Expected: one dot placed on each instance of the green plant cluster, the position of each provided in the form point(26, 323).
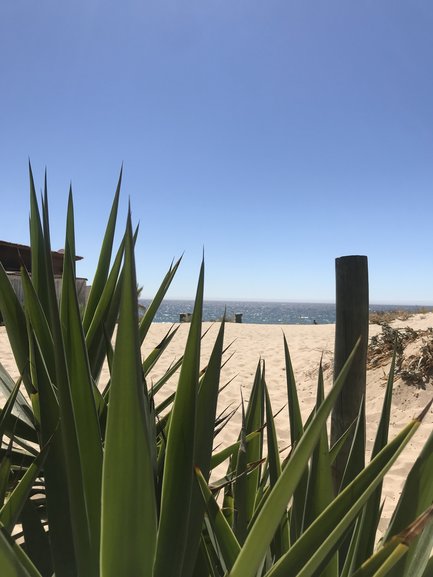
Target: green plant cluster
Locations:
point(101, 480)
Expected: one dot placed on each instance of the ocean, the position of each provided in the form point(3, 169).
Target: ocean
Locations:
point(273, 313)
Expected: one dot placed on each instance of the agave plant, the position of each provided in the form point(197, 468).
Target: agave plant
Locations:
point(98, 479)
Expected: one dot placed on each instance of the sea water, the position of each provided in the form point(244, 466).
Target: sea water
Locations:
point(273, 313)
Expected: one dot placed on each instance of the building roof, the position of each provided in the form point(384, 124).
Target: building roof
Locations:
point(13, 256)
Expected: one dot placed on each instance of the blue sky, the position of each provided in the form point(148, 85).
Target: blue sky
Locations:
point(277, 135)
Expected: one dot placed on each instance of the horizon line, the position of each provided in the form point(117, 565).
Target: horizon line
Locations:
point(296, 301)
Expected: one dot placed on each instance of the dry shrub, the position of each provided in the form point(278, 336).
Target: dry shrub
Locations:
point(414, 364)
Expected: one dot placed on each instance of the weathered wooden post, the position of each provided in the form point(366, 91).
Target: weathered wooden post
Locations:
point(351, 273)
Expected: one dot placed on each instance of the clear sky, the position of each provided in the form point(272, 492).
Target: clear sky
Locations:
point(276, 134)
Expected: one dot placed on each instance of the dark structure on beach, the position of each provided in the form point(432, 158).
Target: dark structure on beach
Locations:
point(13, 256)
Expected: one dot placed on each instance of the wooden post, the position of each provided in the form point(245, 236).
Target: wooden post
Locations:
point(351, 274)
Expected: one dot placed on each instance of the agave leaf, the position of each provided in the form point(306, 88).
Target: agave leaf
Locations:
point(149, 315)
point(104, 350)
point(428, 571)
point(179, 458)
point(39, 335)
point(206, 410)
point(336, 447)
point(128, 527)
point(221, 456)
point(230, 477)
point(111, 311)
point(227, 541)
point(254, 449)
point(202, 568)
point(16, 328)
point(383, 428)
point(101, 274)
point(56, 480)
point(36, 315)
point(326, 533)
point(165, 403)
point(263, 530)
point(243, 492)
point(86, 550)
point(280, 543)
point(13, 561)
point(101, 331)
point(101, 326)
point(417, 494)
point(371, 514)
point(11, 510)
point(295, 419)
point(18, 458)
point(242, 495)
point(154, 356)
point(349, 565)
point(419, 554)
point(274, 463)
point(168, 374)
point(58, 502)
point(22, 408)
point(354, 464)
point(320, 492)
point(224, 418)
point(228, 503)
point(7, 409)
point(70, 230)
point(5, 468)
point(37, 544)
point(386, 558)
point(354, 459)
point(240, 502)
point(296, 432)
point(82, 400)
point(109, 355)
point(38, 256)
point(210, 547)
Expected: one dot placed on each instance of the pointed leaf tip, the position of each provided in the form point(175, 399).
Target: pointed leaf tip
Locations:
point(424, 412)
point(417, 527)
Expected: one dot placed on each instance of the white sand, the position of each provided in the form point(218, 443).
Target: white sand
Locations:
point(307, 345)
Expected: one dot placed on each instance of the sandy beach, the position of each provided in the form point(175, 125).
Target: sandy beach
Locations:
point(308, 344)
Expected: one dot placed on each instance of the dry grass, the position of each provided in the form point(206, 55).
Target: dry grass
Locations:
point(385, 317)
